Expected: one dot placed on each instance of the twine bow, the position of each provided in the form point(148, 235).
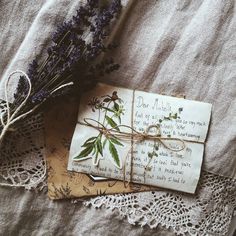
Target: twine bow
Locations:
point(15, 116)
point(135, 137)
point(12, 118)
point(134, 134)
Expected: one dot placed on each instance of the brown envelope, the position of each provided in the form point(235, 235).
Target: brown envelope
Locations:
point(59, 127)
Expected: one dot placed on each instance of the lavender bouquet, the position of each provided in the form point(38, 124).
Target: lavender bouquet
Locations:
point(74, 61)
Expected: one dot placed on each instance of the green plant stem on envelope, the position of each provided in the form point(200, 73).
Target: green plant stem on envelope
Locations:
point(94, 146)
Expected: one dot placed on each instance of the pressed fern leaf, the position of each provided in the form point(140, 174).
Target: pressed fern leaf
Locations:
point(114, 153)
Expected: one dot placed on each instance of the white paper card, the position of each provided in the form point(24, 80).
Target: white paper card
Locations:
point(152, 162)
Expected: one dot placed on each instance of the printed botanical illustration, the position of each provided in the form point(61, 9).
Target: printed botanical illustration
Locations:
point(111, 106)
point(154, 153)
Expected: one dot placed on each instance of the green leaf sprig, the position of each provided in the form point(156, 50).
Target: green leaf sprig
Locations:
point(113, 109)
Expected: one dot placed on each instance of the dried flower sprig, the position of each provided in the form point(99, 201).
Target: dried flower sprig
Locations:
point(113, 108)
point(73, 58)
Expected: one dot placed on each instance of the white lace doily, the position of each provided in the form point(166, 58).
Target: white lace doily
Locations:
point(22, 157)
point(208, 212)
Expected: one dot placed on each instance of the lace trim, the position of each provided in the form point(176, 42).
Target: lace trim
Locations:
point(22, 158)
point(208, 212)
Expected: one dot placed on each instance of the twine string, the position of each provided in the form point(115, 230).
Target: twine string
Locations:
point(134, 134)
point(14, 117)
point(134, 137)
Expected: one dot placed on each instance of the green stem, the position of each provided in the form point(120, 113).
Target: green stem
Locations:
point(104, 119)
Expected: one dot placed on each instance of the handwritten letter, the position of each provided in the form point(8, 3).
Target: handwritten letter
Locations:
point(180, 121)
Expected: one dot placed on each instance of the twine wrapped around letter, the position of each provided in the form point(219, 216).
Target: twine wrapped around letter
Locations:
point(135, 137)
point(15, 116)
point(12, 118)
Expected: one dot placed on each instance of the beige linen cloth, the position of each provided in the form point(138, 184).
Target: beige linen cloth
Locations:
point(167, 46)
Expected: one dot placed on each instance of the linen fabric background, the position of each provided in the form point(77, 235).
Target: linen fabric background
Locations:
point(167, 46)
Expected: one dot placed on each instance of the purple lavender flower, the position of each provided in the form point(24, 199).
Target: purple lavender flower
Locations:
point(22, 88)
point(73, 55)
point(61, 31)
point(40, 96)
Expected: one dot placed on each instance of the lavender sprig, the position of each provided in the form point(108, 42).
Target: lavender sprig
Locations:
point(77, 46)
